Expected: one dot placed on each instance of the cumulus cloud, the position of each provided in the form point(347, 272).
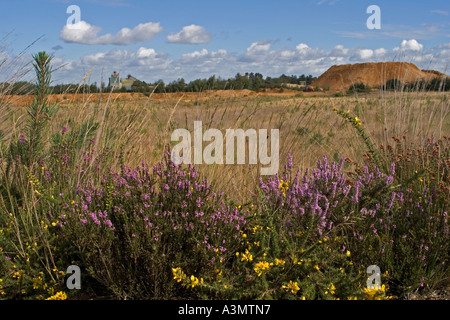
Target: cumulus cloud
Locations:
point(150, 65)
point(193, 55)
point(83, 32)
point(145, 52)
point(258, 47)
point(302, 47)
point(380, 52)
point(204, 62)
point(365, 54)
point(257, 51)
point(409, 45)
point(191, 34)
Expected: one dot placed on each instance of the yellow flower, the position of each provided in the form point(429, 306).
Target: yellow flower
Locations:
point(284, 186)
point(331, 289)
point(58, 296)
point(262, 266)
point(376, 293)
point(194, 281)
point(279, 262)
point(348, 253)
point(178, 274)
point(316, 267)
point(247, 256)
point(37, 282)
point(292, 287)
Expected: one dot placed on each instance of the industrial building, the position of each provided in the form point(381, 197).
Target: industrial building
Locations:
point(116, 83)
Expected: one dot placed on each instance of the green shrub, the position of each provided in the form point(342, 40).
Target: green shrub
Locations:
point(393, 84)
point(358, 88)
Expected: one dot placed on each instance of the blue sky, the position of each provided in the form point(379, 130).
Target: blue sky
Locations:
point(195, 39)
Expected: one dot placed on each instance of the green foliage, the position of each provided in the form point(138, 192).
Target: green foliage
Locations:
point(358, 88)
point(393, 84)
point(41, 111)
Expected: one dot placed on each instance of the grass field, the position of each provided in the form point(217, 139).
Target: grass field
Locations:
point(363, 180)
point(308, 126)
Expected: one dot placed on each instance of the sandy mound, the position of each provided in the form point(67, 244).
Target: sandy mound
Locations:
point(341, 77)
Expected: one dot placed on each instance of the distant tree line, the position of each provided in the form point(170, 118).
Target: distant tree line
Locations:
point(24, 87)
point(250, 81)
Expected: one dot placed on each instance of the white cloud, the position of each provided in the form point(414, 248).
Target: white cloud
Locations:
point(302, 47)
point(339, 51)
point(150, 65)
point(195, 54)
point(287, 54)
point(380, 52)
point(83, 32)
point(192, 34)
point(365, 54)
point(145, 53)
point(258, 47)
point(409, 45)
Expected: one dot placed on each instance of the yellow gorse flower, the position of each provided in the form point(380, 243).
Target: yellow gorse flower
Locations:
point(58, 296)
point(279, 262)
point(194, 282)
point(291, 287)
point(262, 266)
point(247, 256)
point(376, 293)
point(178, 274)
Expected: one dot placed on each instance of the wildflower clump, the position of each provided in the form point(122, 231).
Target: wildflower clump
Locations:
point(376, 293)
point(146, 219)
point(261, 267)
point(291, 287)
point(58, 296)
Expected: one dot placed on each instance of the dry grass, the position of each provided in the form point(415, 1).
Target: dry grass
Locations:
point(308, 126)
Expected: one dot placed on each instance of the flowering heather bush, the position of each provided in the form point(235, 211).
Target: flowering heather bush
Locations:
point(288, 249)
point(326, 229)
point(138, 224)
point(405, 228)
point(318, 197)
